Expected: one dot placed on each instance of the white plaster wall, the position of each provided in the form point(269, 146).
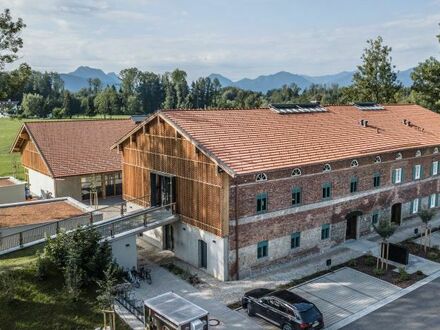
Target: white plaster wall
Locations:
point(41, 184)
point(13, 194)
point(186, 248)
point(69, 186)
point(124, 251)
point(154, 237)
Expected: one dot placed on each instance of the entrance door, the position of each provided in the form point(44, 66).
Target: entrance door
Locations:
point(169, 237)
point(396, 213)
point(162, 190)
point(203, 254)
point(352, 222)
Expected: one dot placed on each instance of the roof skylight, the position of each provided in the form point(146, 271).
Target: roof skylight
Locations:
point(297, 108)
point(368, 106)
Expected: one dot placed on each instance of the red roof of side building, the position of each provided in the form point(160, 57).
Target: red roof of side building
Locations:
point(255, 140)
point(78, 147)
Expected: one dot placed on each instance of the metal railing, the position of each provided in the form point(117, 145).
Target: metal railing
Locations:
point(135, 306)
point(107, 228)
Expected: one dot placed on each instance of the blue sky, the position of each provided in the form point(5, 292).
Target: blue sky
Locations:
point(241, 38)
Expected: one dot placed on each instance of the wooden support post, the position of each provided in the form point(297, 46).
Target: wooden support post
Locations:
point(91, 218)
point(58, 227)
point(145, 219)
point(21, 238)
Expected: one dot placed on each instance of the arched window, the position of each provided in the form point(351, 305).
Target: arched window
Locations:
point(327, 168)
point(435, 150)
point(418, 153)
point(399, 156)
point(261, 177)
point(354, 163)
point(378, 160)
point(296, 172)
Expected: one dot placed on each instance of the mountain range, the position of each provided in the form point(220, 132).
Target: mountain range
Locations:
point(267, 82)
point(78, 79)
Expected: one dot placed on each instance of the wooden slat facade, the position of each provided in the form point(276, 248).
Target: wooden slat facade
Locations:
point(31, 158)
point(201, 191)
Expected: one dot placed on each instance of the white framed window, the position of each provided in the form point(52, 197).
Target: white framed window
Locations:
point(397, 175)
point(354, 163)
point(399, 156)
point(432, 201)
point(418, 153)
point(378, 159)
point(327, 168)
point(415, 206)
point(296, 172)
point(417, 172)
point(435, 150)
point(261, 177)
point(434, 168)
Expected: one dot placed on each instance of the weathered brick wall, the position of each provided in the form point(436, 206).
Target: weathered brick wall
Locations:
point(282, 219)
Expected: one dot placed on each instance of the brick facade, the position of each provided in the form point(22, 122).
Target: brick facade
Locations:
point(282, 219)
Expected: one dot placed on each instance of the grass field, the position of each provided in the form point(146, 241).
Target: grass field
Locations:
point(8, 130)
point(43, 304)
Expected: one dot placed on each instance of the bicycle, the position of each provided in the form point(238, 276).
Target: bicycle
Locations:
point(145, 274)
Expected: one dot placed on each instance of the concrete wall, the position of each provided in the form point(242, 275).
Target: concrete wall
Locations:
point(186, 248)
point(69, 186)
point(14, 193)
point(124, 251)
point(154, 237)
point(41, 185)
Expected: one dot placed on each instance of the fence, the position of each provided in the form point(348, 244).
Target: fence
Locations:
point(41, 232)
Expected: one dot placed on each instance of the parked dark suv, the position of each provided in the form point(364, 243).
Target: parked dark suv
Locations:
point(283, 308)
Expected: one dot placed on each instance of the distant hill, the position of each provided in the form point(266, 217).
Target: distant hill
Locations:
point(266, 82)
point(78, 79)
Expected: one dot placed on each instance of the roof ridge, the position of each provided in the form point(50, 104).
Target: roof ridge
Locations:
point(72, 120)
point(212, 109)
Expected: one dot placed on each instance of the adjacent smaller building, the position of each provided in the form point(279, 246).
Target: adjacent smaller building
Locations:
point(69, 157)
point(12, 190)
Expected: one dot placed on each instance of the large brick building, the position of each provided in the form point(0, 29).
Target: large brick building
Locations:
point(260, 186)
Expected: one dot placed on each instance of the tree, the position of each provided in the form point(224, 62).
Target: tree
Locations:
point(107, 102)
point(385, 229)
point(204, 92)
point(10, 40)
point(150, 91)
point(375, 79)
point(71, 104)
point(426, 216)
point(33, 105)
point(426, 83)
point(133, 106)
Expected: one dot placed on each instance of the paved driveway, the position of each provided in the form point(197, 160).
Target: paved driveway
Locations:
point(341, 294)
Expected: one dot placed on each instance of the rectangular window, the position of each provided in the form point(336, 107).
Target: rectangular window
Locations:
point(434, 168)
point(353, 184)
point(326, 190)
point(296, 196)
point(325, 231)
point(261, 202)
point(415, 206)
point(433, 201)
point(417, 172)
point(375, 218)
point(295, 239)
point(397, 175)
point(262, 249)
point(376, 180)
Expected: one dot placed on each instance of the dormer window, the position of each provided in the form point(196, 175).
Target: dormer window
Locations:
point(296, 172)
point(327, 168)
point(378, 160)
point(435, 150)
point(418, 153)
point(354, 163)
point(261, 177)
point(399, 156)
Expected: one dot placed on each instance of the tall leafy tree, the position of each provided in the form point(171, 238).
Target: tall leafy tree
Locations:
point(376, 78)
point(10, 40)
point(426, 83)
point(107, 102)
point(204, 92)
point(33, 105)
point(150, 91)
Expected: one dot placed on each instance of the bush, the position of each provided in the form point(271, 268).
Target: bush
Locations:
point(42, 267)
point(403, 275)
point(419, 273)
point(378, 271)
point(9, 285)
point(370, 260)
point(352, 263)
point(432, 255)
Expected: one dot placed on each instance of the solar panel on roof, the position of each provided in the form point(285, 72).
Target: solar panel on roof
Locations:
point(367, 106)
point(297, 108)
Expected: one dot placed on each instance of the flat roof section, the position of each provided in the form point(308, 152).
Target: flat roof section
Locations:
point(31, 213)
point(6, 182)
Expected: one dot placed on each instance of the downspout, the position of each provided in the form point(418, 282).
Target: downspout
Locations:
point(236, 230)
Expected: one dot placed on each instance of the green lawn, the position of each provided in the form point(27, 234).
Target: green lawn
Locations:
point(43, 304)
point(8, 130)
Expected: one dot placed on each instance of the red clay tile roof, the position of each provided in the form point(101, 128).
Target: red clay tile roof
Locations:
point(79, 147)
point(255, 140)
